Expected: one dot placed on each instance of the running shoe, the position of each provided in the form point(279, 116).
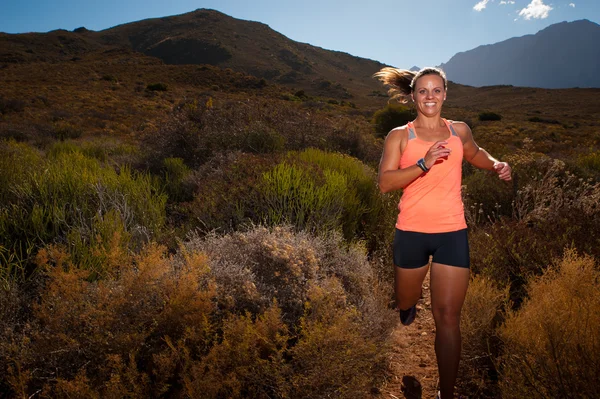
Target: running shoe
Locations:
point(408, 316)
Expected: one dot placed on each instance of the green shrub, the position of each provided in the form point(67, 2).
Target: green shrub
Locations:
point(156, 87)
point(175, 173)
point(312, 189)
point(489, 116)
point(65, 131)
point(262, 139)
point(101, 149)
point(486, 198)
point(590, 164)
point(69, 196)
point(551, 344)
point(390, 117)
point(537, 119)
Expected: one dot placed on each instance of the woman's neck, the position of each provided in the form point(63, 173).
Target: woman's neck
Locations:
point(428, 122)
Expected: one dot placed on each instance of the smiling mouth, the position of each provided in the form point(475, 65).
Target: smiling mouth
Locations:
point(430, 104)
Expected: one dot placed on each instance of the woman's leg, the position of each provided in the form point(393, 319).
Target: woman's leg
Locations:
point(448, 290)
point(407, 285)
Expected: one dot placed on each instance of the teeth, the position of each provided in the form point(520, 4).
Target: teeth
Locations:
point(430, 104)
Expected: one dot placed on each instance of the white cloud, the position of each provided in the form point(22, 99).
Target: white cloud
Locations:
point(507, 2)
point(481, 5)
point(572, 5)
point(536, 9)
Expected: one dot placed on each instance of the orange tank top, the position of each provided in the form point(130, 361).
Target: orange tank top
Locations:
point(432, 203)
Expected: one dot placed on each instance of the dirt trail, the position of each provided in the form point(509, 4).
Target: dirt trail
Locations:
point(412, 364)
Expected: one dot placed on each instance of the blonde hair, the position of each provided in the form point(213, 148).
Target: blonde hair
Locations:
point(402, 81)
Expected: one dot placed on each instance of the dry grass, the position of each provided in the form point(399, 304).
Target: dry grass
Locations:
point(552, 344)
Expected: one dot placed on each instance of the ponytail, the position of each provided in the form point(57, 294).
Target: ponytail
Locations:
point(402, 81)
point(399, 80)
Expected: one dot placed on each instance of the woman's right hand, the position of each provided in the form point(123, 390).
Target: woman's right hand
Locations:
point(436, 151)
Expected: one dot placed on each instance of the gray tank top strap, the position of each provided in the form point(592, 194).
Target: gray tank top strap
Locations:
point(449, 124)
point(411, 131)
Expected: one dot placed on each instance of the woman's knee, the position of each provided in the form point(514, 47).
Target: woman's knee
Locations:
point(446, 316)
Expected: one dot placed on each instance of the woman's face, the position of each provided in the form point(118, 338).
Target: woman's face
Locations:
point(429, 94)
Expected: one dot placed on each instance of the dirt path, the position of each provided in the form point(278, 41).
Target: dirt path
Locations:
point(412, 365)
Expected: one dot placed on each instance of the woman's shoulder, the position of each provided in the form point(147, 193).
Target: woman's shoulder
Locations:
point(398, 133)
point(462, 129)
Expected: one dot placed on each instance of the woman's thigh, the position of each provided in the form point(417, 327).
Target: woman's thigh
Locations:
point(448, 289)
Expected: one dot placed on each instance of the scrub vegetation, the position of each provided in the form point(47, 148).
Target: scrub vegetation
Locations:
point(213, 236)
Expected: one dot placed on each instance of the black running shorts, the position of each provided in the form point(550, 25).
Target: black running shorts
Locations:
point(412, 250)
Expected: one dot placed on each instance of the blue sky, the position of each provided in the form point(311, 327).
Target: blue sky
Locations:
point(401, 33)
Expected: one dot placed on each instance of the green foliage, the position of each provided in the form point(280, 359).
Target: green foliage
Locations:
point(312, 189)
point(156, 87)
point(551, 344)
point(65, 131)
point(101, 149)
point(175, 173)
point(590, 163)
point(489, 116)
point(263, 139)
point(390, 117)
point(68, 198)
point(305, 198)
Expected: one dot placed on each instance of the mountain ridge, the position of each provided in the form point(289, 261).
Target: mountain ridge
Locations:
point(535, 60)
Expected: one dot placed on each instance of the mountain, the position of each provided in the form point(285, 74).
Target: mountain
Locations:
point(562, 55)
point(210, 37)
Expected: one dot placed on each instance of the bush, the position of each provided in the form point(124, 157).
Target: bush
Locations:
point(112, 338)
point(65, 131)
point(252, 268)
point(73, 199)
point(313, 190)
point(156, 87)
point(481, 315)
point(197, 131)
point(551, 344)
point(197, 324)
point(489, 116)
point(11, 105)
point(390, 117)
point(175, 173)
point(537, 119)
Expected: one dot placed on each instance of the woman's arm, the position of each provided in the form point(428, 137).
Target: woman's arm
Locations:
point(391, 177)
point(479, 157)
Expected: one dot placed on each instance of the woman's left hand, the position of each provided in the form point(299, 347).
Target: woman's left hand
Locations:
point(504, 170)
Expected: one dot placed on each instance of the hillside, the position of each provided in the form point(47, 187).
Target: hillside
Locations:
point(563, 55)
point(210, 37)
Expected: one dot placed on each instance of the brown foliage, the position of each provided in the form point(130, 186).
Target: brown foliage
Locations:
point(255, 314)
point(85, 334)
point(552, 345)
